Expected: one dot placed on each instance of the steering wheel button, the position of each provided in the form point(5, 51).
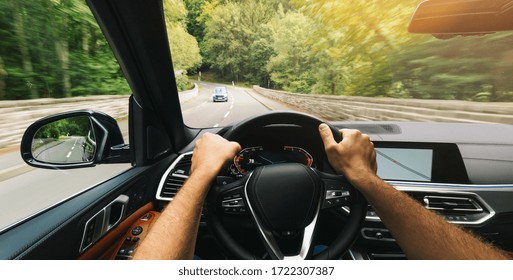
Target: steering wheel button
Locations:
point(224, 180)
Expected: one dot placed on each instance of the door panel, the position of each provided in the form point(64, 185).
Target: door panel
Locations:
point(58, 232)
point(107, 247)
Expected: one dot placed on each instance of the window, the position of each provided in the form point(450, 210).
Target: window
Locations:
point(53, 59)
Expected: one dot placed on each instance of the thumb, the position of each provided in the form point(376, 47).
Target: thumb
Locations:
point(326, 135)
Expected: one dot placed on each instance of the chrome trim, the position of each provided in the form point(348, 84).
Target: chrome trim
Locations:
point(95, 236)
point(445, 189)
point(457, 192)
point(357, 255)
point(104, 226)
point(226, 203)
point(477, 207)
point(269, 238)
point(452, 186)
point(123, 199)
point(330, 194)
point(163, 179)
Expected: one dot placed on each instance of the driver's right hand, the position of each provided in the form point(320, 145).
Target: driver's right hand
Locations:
point(212, 152)
point(354, 156)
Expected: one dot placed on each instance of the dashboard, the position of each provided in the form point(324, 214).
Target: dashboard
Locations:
point(462, 171)
point(414, 162)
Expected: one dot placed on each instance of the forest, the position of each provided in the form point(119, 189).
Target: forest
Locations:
point(358, 48)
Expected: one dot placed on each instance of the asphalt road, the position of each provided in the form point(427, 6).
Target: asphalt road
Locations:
point(242, 103)
point(66, 151)
point(24, 191)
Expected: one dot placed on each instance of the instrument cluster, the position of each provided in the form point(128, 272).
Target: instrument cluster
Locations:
point(250, 158)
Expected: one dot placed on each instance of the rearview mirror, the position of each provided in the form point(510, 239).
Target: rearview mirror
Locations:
point(448, 18)
point(73, 140)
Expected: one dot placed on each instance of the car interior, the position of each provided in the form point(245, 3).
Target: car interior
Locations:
point(461, 171)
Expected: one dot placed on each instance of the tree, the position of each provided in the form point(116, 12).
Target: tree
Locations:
point(54, 49)
point(355, 43)
point(292, 68)
point(184, 47)
point(235, 36)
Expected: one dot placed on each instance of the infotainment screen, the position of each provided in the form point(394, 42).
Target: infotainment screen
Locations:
point(421, 162)
point(405, 164)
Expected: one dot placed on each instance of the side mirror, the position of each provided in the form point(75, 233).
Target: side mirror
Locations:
point(73, 140)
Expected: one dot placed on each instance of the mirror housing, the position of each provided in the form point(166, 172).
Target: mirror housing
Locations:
point(99, 140)
point(449, 18)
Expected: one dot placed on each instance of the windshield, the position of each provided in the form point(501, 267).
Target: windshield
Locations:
point(337, 60)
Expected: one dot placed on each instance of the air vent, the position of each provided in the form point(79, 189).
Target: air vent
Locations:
point(452, 204)
point(174, 177)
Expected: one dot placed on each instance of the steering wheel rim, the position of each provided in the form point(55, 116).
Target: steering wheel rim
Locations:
point(358, 205)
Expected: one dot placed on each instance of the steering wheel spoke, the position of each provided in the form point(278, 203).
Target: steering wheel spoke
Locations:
point(337, 191)
point(269, 240)
point(231, 197)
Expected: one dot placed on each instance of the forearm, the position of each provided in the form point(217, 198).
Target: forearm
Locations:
point(422, 234)
point(173, 236)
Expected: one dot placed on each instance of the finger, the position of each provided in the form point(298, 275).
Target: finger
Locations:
point(326, 135)
point(235, 147)
point(346, 132)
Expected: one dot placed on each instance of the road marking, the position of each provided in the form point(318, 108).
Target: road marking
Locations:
point(73, 147)
point(69, 154)
point(231, 106)
point(226, 115)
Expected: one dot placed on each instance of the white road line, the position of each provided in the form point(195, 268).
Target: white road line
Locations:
point(231, 106)
point(69, 154)
point(226, 115)
point(73, 147)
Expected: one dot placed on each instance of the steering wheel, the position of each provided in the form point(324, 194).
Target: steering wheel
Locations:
point(284, 199)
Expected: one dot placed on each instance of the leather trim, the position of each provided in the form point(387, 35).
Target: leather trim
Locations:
point(128, 243)
point(106, 248)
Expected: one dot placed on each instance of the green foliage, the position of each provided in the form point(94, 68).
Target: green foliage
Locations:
point(458, 68)
point(77, 126)
point(195, 26)
point(54, 49)
point(184, 47)
point(355, 47)
point(292, 66)
point(182, 82)
point(236, 43)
